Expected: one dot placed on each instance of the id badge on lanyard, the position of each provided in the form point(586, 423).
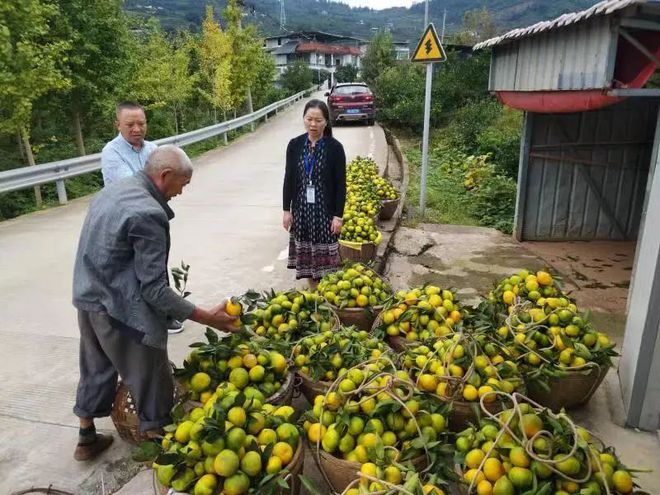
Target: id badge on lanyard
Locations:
point(310, 190)
point(311, 194)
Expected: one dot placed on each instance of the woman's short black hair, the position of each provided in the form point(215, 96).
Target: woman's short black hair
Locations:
point(324, 110)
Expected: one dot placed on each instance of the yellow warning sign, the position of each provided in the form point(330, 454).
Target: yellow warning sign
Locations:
point(429, 48)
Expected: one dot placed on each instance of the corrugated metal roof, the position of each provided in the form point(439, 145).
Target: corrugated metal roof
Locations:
point(606, 7)
point(579, 59)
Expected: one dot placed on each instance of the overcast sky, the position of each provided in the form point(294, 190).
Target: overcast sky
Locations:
point(379, 4)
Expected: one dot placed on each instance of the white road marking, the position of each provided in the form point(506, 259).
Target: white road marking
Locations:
point(284, 254)
point(372, 143)
point(268, 268)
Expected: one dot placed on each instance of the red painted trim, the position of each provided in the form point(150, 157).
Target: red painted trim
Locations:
point(556, 101)
point(633, 70)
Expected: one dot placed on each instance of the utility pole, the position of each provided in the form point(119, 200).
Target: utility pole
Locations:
point(444, 21)
point(429, 50)
point(427, 123)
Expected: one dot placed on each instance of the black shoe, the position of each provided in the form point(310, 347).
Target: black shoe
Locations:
point(174, 326)
point(89, 451)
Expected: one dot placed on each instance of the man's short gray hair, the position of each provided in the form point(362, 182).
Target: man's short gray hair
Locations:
point(168, 156)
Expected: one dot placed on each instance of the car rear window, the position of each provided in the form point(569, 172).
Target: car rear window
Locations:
point(350, 90)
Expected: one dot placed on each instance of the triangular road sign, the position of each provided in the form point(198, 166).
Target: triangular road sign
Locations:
point(429, 48)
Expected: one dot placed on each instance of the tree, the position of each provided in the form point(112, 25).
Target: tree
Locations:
point(263, 83)
point(399, 94)
point(297, 77)
point(30, 65)
point(247, 53)
point(215, 55)
point(346, 73)
point(164, 77)
point(478, 25)
point(99, 59)
point(380, 56)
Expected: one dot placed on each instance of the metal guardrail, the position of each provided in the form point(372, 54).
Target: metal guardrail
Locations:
point(24, 177)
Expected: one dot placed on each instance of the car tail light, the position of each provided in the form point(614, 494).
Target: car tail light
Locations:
point(369, 98)
point(336, 99)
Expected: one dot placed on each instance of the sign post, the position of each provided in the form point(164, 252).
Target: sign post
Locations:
point(429, 50)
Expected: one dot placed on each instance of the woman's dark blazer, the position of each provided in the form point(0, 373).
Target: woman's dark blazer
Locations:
point(334, 175)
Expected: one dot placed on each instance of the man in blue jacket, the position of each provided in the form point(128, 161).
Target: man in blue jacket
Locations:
point(121, 291)
point(127, 153)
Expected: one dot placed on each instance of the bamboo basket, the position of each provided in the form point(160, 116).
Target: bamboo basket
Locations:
point(124, 412)
point(362, 318)
point(310, 388)
point(388, 208)
point(284, 396)
point(463, 415)
point(341, 473)
point(572, 390)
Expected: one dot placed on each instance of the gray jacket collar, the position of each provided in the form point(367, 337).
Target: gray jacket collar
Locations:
point(153, 190)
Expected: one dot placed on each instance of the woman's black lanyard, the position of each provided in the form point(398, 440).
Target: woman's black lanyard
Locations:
point(310, 161)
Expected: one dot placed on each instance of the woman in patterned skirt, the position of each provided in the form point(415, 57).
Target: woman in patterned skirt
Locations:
point(314, 196)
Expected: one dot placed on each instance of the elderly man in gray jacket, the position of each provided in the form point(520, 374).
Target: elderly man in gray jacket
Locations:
point(121, 291)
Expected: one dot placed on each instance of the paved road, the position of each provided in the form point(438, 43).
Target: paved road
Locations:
point(227, 227)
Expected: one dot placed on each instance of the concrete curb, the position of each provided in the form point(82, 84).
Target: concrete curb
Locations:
point(389, 227)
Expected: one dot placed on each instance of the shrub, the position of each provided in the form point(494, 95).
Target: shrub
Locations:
point(502, 141)
point(494, 202)
point(297, 77)
point(400, 97)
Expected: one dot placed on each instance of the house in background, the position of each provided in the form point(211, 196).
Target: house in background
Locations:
point(322, 51)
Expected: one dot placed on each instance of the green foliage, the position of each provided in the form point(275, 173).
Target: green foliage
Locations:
point(297, 77)
point(164, 78)
point(264, 93)
point(247, 52)
point(214, 50)
point(467, 122)
point(502, 141)
point(101, 52)
point(399, 92)
point(464, 189)
point(460, 80)
point(346, 73)
point(494, 202)
point(446, 201)
point(379, 57)
point(69, 62)
point(30, 59)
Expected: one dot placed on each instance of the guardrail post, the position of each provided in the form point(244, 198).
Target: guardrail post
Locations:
point(266, 118)
point(61, 192)
point(252, 126)
point(224, 136)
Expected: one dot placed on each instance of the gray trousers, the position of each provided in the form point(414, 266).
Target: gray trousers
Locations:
point(105, 352)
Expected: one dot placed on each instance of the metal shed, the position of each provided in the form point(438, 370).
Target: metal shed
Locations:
point(589, 155)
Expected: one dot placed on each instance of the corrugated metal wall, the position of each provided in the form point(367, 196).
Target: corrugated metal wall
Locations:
point(576, 57)
point(586, 173)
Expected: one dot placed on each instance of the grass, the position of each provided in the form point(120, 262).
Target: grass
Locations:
point(446, 201)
